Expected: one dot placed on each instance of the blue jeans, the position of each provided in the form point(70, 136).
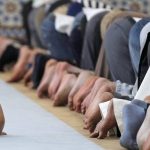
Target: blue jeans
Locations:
point(57, 43)
point(134, 43)
point(77, 35)
point(61, 46)
point(74, 8)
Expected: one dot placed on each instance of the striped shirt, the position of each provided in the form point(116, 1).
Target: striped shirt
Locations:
point(138, 5)
point(92, 3)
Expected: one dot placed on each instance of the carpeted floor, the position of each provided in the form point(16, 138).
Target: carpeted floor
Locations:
point(74, 120)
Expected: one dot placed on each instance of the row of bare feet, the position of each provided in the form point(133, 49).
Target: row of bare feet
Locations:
point(66, 84)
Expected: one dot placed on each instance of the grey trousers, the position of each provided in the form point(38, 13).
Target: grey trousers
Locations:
point(117, 50)
point(92, 42)
point(35, 20)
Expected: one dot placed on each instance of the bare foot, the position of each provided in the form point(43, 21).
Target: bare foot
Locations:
point(75, 70)
point(3, 133)
point(88, 100)
point(83, 92)
point(4, 42)
point(83, 76)
point(146, 145)
point(147, 99)
point(27, 77)
point(50, 63)
point(2, 120)
point(144, 131)
point(20, 68)
point(30, 85)
point(26, 57)
point(61, 97)
point(105, 124)
point(47, 78)
point(61, 68)
point(92, 115)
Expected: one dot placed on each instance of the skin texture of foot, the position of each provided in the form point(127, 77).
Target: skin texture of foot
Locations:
point(2, 121)
point(61, 68)
point(144, 131)
point(92, 115)
point(20, 68)
point(105, 124)
point(146, 145)
point(75, 70)
point(27, 77)
point(83, 92)
point(61, 97)
point(4, 42)
point(82, 78)
point(147, 99)
point(47, 78)
point(88, 100)
point(26, 57)
point(57, 78)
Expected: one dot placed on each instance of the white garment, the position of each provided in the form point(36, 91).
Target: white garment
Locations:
point(91, 12)
point(136, 19)
point(144, 89)
point(143, 35)
point(119, 104)
point(118, 110)
point(63, 23)
point(79, 1)
point(103, 108)
point(38, 3)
